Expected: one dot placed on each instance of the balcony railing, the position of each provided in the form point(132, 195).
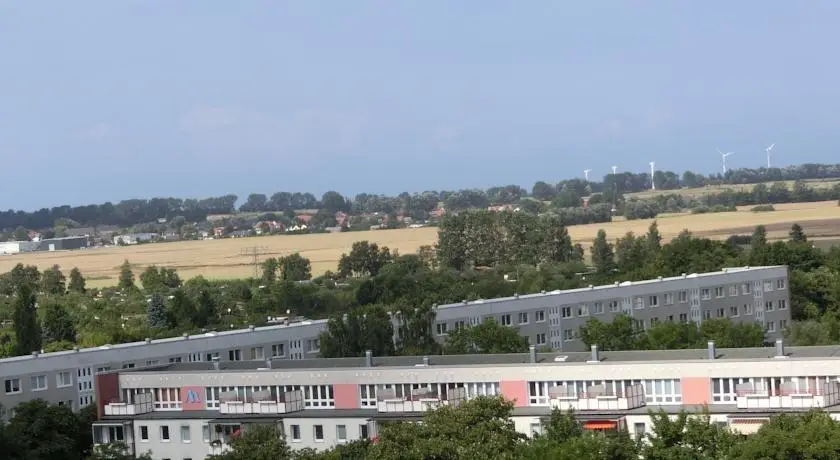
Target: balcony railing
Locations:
point(139, 404)
point(419, 400)
point(597, 398)
point(787, 396)
point(261, 403)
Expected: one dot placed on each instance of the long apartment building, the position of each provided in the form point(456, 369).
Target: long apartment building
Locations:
point(548, 319)
point(186, 411)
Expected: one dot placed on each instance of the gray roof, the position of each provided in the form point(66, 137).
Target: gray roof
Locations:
point(741, 354)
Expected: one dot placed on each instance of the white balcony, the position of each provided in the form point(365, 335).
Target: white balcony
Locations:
point(787, 397)
point(141, 404)
point(596, 399)
point(290, 401)
point(418, 401)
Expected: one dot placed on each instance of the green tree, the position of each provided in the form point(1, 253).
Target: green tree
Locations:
point(40, 431)
point(182, 311)
point(620, 334)
point(257, 442)
point(269, 270)
point(654, 238)
point(814, 435)
point(489, 337)
point(361, 329)
point(156, 312)
point(365, 259)
point(53, 281)
point(602, 255)
point(77, 281)
point(27, 330)
point(207, 309)
point(56, 324)
point(295, 267)
point(687, 437)
point(116, 451)
point(478, 428)
point(759, 237)
point(797, 235)
point(126, 277)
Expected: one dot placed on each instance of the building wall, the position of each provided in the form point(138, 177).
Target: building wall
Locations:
point(176, 448)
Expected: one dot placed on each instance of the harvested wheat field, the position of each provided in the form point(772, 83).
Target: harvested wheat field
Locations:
point(225, 258)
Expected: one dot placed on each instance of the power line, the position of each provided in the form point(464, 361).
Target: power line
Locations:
point(254, 252)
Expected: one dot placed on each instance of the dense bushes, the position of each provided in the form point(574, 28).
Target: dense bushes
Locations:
point(713, 209)
point(763, 208)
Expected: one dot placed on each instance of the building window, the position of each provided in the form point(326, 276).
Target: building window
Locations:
point(539, 316)
point(540, 339)
point(771, 326)
point(746, 289)
point(363, 431)
point(152, 362)
point(733, 290)
point(783, 324)
point(566, 312)
point(167, 398)
point(653, 301)
point(768, 286)
point(505, 320)
point(669, 298)
point(295, 429)
point(318, 432)
point(707, 314)
point(194, 357)
point(313, 345)
point(234, 355)
point(341, 433)
point(639, 302)
point(205, 433)
point(536, 429)
point(64, 379)
point(639, 430)
point(38, 382)
point(683, 296)
point(568, 335)
point(257, 353)
point(748, 309)
point(705, 294)
point(719, 292)
point(780, 284)
point(316, 396)
point(441, 328)
point(598, 308)
point(144, 433)
point(278, 350)
point(663, 391)
point(782, 304)
point(176, 359)
point(614, 308)
point(164, 433)
point(733, 311)
point(211, 356)
point(768, 306)
point(185, 433)
point(128, 366)
point(683, 318)
point(367, 395)
point(583, 310)
point(523, 317)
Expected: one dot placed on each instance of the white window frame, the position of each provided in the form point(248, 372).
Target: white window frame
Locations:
point(38, 382)
point(367, 395)
point(523, 317)
point(318, 396)
point(12, 386)
point(168, 437)
point(281, 347)
point(185, 429)
point(315, 436)
point(539, 316)
point(59, 383)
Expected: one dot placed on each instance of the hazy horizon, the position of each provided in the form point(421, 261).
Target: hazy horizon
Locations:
point(104, 101)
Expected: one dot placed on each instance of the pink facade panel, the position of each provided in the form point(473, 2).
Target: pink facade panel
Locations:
point(346, 396)
point(695, 390)
point(515, 391)
point(192, 398)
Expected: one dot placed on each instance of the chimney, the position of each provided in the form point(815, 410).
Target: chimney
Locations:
point(426, 361)
point(368, 358)
point(712, 349)
point(268, 363)
point(780, 349)
point(533, 352)
point(215, 363)
point(596, 355)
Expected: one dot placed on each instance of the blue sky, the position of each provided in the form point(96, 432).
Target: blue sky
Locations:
point(106, 100)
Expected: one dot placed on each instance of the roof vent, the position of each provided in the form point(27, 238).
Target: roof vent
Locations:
point(591, 287)
point(683, 275)
point(596, 355)
point(35, 354)
point(251, 328)
point(216, 363)
point(515, 295)
point(466, 302)
point(148, 340)
point(425, 360)
point(659, 277)
point(186, 336)
point(76, 349)
point(368, 358)
point(268, 363)
point(532, 352)
point(780, 349)
point(616, 283)
point(712, 350)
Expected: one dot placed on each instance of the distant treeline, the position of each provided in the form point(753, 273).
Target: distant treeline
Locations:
point(127, 213)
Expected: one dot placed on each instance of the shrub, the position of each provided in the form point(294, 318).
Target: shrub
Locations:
point(763, 208)
point(713, 209)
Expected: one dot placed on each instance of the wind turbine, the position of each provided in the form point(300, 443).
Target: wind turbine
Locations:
point(723, 157)
point(768, 149)
point(615, 184)
point(614, 168)
point(652, 183)
point(586, 174)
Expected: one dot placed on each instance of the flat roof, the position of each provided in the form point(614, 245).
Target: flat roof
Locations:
point(553, 358)
point(605, 287)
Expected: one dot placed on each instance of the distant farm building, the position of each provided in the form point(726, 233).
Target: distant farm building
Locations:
point(47, 244)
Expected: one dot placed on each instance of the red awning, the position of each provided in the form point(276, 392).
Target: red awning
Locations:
point(600, 425)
